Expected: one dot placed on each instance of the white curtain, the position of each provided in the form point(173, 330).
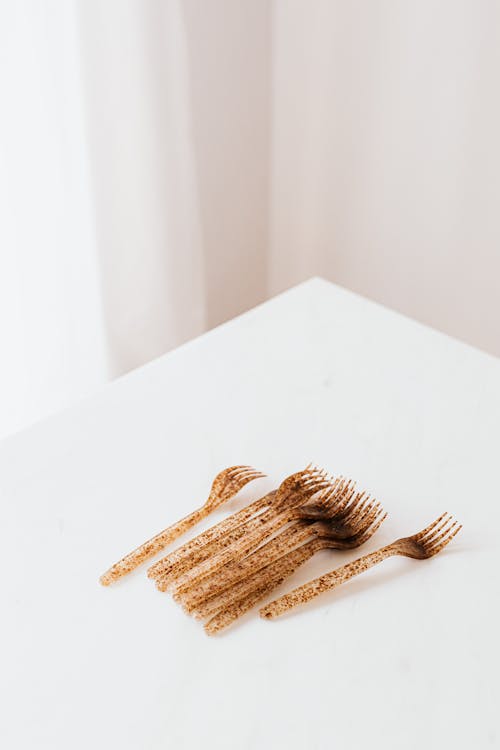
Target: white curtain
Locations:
point(133, 186)
point(146, 214)
point(166, 164)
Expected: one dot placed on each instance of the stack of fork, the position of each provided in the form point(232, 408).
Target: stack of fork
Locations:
point(220, 575)
point(223, 572)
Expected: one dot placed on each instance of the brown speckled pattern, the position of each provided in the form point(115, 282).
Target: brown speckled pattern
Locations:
point(189, 554)
point(238, 599)
point(225, 485)
point(234, 600)
point(348, 527)
point(293, 491)
point(220, 574)
point(239, 570)
point(189, 551)
point(166, 580)
point(421, 546)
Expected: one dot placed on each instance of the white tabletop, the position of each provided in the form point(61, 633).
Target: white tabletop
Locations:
point(405, 656)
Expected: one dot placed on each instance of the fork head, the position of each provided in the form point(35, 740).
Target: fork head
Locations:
point(298, 487)
point(228, 482)
point(346, 511)
point(331, 500)
point(356, 528)
point(430, 541)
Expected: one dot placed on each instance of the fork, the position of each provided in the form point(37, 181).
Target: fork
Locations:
point(225, 485)
point(196, 550)
point(421, 546)
point(291, 492)
point(339, 514)
point(255, 531)
point(233, 603)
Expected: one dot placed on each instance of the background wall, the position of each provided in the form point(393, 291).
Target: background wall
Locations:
point(166, 165)
point(386, 158)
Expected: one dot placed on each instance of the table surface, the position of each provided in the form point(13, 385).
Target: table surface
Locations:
point(405, 656)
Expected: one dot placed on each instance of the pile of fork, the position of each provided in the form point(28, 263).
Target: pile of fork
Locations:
point(223, 572)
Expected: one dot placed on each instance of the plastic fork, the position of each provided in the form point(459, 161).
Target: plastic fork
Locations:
point(339, 513)
point(232, 604)
point(294, 490)
point(225, 485)
point(421, 546)
point(196, 550)
point(290, 494)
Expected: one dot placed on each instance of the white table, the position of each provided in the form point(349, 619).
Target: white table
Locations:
point(405, 656)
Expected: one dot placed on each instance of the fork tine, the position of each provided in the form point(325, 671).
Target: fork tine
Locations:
point(323, 486)
point(365, 500)
point(445, 542)
point(229, 482)
point(365, 507)
point(326, 474)
point(377, 512)
point(317, 476)
point(335, 500)
point(335, 489)
point(354, 501)
point(350, 506)
point(425, 531)
point(361, 514)
point(299, 478)
point(316, 471)
point(350, 514)
point(369, 517)
point(374, 525)
point(433, 534)
point(228, 477)
point(330, 493)
point(345, 496)
point(237, 472)
point(307, 476)
point(367, 513)
point(233, 470)
point(230, 485)
point(444, 539)
point(255, 474)
point(316, 484)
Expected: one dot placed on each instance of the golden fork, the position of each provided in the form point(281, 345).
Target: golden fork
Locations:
point(421, 546)
point(225, 485)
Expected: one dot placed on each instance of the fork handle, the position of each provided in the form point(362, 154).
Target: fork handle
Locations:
point(257, 530)
point(151, 547)
point(324, 583)
point(261, 583)
point(238, 570)
point(188, 552)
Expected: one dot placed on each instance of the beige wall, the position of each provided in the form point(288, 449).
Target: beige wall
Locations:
point(386, 156)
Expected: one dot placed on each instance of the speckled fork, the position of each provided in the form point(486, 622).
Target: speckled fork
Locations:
point(339, 513)
point(225, 485)
point(289, 496)
point(421, 546)
point(233, 603)
point(295, 489)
